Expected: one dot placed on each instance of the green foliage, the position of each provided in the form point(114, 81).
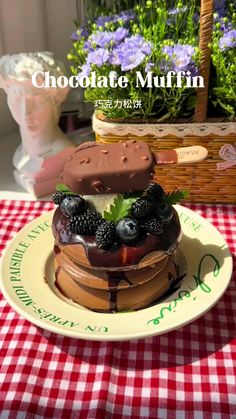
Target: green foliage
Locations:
point(63, 188)
point(174, 197)
point(223, 89)
point(119, 209)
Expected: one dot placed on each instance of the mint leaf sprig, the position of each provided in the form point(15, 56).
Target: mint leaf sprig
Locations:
point(174, 197)
point(119, 209)
point(63, 188)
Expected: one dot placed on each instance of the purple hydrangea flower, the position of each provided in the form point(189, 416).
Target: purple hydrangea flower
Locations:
point(149, 66)
point(128, 57)
point(80, 33)
point(125, 16)
point(220, 7)
point(224, 26)
point(228, 40)
point(99, 57)
point(137, 41)
point(130, 53)
point(102, 39)
point(74, 36)
point(102, 20)
point(180, 58)
point(177, 10)
point(85, 71)
point(88, 46)
point(131, 60)
point(119, 35)
point(116, 56)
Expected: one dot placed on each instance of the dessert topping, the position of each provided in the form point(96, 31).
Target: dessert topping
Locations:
point(98, 186)
point(143, 207)
point(73, 205)
point(58, 197)
point(155, 190)
point(125, 216)
point(105, 234)
point(127, 230)
point(175, 196)
point(164, 213)
point(85, 160)
point(85, 224)
point(119, 209)
point(153, 226)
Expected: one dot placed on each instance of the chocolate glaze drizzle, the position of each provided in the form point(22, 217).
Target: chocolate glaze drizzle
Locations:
point(114, 278)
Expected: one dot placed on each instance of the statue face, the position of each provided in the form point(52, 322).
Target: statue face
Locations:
point(31, 108)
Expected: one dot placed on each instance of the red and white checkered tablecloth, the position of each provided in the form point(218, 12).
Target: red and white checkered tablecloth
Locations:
point(184, 374)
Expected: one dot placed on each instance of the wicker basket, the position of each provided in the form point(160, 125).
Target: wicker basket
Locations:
point(206, 183)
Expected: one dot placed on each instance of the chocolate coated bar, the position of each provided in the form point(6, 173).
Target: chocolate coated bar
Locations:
point(122, 167)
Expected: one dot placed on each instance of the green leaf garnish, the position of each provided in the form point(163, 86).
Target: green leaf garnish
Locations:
point(63, 188)
point(174, 197)
point(119, 209)
point(135, 195)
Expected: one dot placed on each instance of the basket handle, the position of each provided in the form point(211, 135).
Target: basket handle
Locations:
point(206, 23)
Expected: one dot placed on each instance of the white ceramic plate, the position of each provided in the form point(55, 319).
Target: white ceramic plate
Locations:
point(27, 282)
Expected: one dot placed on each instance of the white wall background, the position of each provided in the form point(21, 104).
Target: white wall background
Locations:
point(33, 25)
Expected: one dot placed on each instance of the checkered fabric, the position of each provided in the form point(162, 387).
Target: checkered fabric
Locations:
point(184, 374)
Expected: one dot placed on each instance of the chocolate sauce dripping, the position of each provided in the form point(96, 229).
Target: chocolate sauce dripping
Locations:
point(114, 278)
point(56, 249)
point(113, 301)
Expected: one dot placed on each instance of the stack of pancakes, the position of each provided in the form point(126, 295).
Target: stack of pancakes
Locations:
point(126, 277)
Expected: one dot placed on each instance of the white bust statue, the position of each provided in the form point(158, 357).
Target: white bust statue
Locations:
point(39, 159)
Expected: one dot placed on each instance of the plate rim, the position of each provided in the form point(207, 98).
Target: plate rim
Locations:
point(81, 334)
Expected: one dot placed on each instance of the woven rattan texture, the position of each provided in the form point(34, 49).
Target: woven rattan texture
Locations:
point(202, 179)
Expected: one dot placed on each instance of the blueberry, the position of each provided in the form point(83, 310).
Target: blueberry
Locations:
point(127, 230)
point(73, 205)
point(164, 213)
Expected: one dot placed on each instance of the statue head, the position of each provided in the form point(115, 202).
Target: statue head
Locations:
point(34, 109)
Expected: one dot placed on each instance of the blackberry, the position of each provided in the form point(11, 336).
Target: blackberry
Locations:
point(58, 197)
point(156, 191)
point(164, 213)
point(85, 224)
point(153, 226)
point(143, 207)
point(105, 234)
